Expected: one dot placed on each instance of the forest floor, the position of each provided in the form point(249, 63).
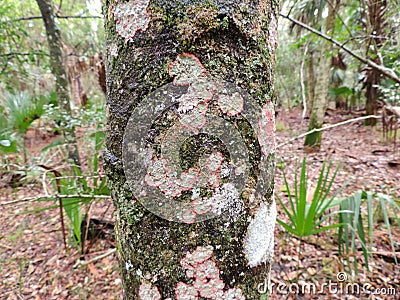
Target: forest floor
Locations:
point(35, 265)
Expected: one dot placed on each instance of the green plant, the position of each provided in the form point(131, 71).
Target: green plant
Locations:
point(16, 116)
point(8, 142)
point(22, 109)
point(353, 230)
point(307, 218)
point(353, 227)
point(73, 191)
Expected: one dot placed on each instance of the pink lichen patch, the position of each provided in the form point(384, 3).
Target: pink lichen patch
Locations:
point(130, 17)
point(157, 166)
point(195, 97)
point(193, 120)
point(207, 280)
point(240, 168)
point(207, 271)
point(234, 294)
point(188, 178)
point(202, 108)
point(198, 256)
point(202, 88)
point(148, 292)
point(157, 173)
point(214, 180)
point(209, 288)
point(150, 180)
point(201, 206)
point(171, 188)
point(214, 161)
point(206, 275)
point(185, 292)
point(156, 179)
point(188, 216)
point(187, 103)
point(266, 127)
point(186, 68)
point(231, 105)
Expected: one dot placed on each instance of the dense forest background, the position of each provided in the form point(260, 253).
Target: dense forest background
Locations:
point(338, 187)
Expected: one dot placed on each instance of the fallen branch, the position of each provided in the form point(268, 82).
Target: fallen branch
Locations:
point(382, 69)
point(326, 128)
point(56, 16)
point(87, 262)
point(52, 197)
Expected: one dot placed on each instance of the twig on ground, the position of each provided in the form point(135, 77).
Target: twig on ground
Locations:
point(326, 128)
point(52, 197)
point(86, 262)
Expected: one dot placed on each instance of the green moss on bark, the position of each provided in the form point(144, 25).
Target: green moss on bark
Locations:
point(231, 46)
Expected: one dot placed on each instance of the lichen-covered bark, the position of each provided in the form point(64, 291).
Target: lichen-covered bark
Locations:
point(235, 42)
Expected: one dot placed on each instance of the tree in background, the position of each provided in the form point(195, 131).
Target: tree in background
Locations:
point(58, 70)
point(375, 23)
point(371, 27)
point(320, 101)
point(171, 254)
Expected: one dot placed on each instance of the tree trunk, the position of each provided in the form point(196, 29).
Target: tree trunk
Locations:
point(194, 221)
point(320, 102)
point(375, 27)
point(57, 68)
point(311, 78)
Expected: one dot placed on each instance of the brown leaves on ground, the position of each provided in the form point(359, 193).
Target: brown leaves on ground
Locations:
point(35, 265)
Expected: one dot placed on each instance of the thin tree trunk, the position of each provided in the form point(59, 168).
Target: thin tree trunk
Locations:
point(311, 79)
point(320, 104)
point(166, 252)
point(376, 21)
point(57, 68)
point(303, 89)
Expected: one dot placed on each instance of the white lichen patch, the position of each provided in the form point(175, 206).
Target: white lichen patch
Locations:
point(114, 50)
point(226, 198)
point(259, 241)
point(130, 17)
point(148, 292)
point(128, 266)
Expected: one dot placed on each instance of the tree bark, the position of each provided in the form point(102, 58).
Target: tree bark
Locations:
point(375, 26)
point(311, 78)
point(150, 48)
point(58, 70)
point(320, 102)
